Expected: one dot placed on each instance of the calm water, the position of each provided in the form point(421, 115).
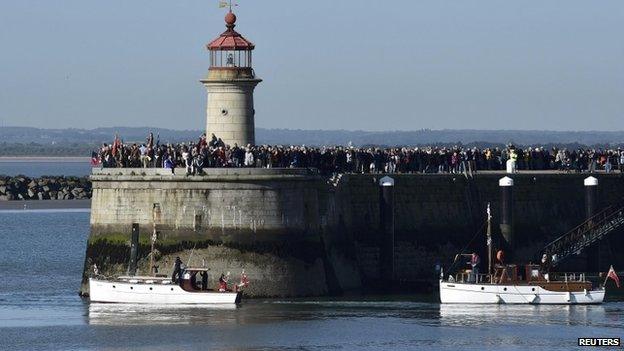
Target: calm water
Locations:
point(38, 168)
point(41, 257)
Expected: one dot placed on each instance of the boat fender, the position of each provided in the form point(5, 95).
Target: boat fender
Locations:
point(568, 297)
point(498, 299)
point(534, 299)
point(586, 292)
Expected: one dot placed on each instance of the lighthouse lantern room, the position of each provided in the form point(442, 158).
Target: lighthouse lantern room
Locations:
point(230, 84)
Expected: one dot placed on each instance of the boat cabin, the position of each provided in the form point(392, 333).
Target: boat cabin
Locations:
point(529, 274)
point(195, 279)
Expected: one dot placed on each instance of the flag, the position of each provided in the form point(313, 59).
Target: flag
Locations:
point(613, 276)
point(116, 145)
point(228, 3)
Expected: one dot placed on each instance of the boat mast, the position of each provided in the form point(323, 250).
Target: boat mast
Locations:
point(154, 236)
point(489, 238)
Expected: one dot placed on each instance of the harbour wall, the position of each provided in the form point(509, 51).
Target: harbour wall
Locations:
point(297, 233)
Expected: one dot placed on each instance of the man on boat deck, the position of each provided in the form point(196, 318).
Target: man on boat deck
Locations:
point(223, 283)
point(177, 271)
point(545, 267)
point(204, 278)
point(474, 263)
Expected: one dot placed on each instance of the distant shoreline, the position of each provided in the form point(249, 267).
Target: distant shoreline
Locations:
point(44, 159)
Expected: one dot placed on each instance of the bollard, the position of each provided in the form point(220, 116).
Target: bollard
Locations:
point(506, 215)
point(134, 249)
point(591, 196)
point(386, 217)
point(591, 202)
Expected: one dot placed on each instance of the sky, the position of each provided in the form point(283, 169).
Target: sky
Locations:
point(340, 64)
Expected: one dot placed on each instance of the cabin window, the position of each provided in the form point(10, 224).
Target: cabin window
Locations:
point(504, 289)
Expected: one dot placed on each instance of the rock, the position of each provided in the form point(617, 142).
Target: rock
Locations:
point(40, 195)
point(31, 193)
point(60, 196)
point(21, 196)
point(45, 188)
point(3, 189)
point(4, 198)
point(32, 184)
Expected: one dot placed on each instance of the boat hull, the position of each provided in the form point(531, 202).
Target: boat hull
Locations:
point(154, 293)
point(469, 293)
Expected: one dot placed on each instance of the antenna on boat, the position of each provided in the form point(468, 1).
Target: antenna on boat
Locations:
point(188, 262)
point(155, 209)
point(489, 238)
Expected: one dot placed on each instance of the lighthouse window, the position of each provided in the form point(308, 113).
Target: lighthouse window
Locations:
point(224, 112)
point(230, 60)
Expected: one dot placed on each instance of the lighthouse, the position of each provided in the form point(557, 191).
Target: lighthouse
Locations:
point(230, 84)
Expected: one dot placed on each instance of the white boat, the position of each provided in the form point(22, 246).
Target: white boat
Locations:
point(504, 284)
point(532, 292)
point(161, 290)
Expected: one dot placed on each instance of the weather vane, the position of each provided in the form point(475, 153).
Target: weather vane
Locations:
point(228, 3)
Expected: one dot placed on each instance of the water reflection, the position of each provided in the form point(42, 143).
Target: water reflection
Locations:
point(133, 314)
point(261, 312)
point(486, 315)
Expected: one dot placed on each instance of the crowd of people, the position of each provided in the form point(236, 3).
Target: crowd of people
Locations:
point(213, 152)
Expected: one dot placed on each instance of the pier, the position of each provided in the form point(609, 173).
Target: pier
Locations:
point(298, 233)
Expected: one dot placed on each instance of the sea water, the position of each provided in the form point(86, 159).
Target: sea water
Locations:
point(41, 262)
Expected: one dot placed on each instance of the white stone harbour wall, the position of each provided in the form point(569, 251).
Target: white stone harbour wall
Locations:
point(259, 204)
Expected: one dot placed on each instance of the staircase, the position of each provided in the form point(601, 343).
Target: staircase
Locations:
point(587, 233)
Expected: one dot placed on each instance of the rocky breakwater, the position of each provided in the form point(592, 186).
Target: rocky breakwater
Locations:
point(44, 188)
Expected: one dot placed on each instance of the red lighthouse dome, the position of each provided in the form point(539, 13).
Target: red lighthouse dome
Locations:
point(230, 49)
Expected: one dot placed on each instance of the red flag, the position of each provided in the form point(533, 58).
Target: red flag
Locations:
point(116, 145)
point(613, 276)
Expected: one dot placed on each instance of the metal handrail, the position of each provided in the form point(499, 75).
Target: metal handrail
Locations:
point(596, 226)
point(489, 278)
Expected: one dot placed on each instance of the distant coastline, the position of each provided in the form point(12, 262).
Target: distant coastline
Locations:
point(44, 159)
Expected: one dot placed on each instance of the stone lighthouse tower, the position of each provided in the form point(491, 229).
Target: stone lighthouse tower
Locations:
point(230, 83)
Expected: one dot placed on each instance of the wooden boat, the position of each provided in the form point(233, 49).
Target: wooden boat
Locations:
point(505, 284)
point(161, 290)
point(498, 289)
